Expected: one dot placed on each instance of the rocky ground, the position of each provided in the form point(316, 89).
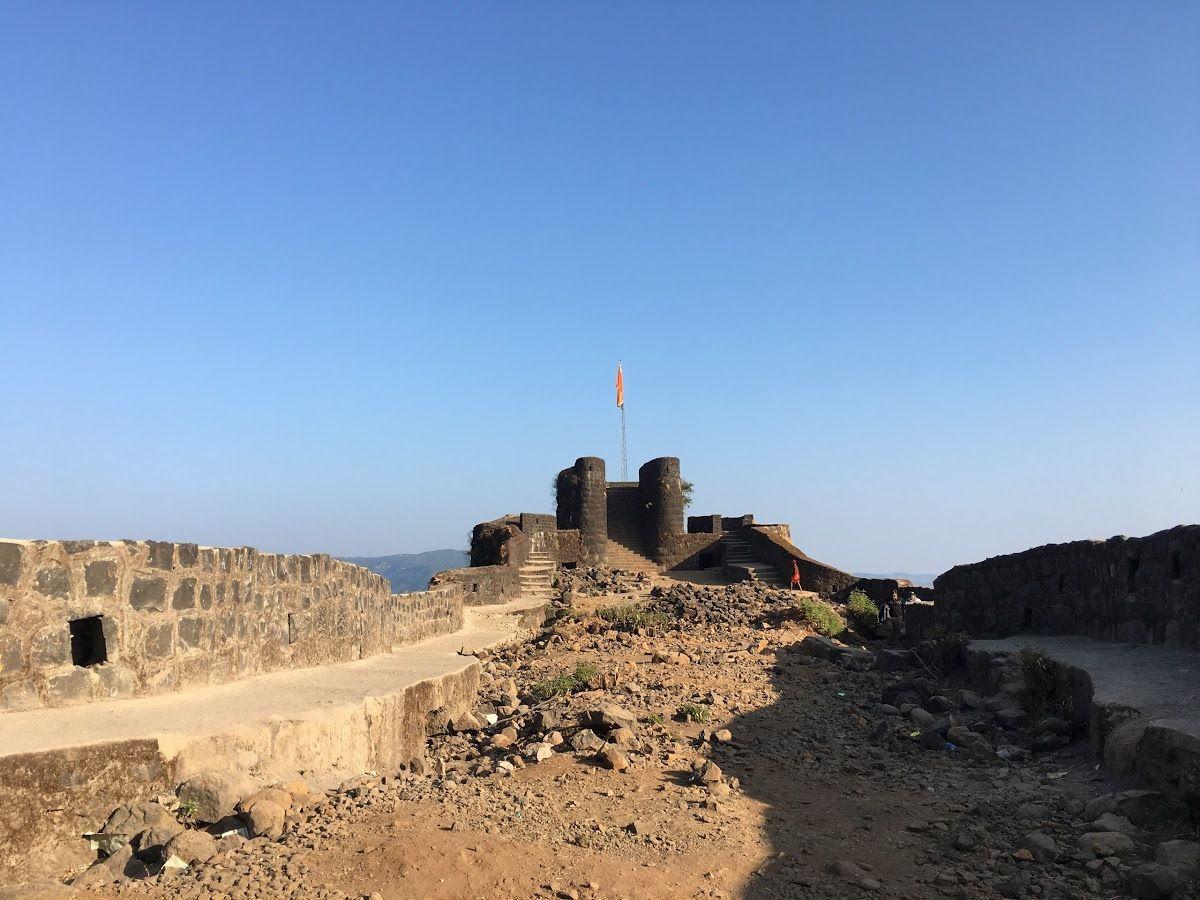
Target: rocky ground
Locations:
point(701, 742)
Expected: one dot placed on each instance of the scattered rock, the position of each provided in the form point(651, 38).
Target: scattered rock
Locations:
point(1105, 843)
point(612, 758)
point(1152, 881)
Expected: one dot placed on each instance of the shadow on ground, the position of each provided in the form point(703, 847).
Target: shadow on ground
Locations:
point(829, 793)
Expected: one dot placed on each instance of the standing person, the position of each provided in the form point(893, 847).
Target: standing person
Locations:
point(795, 585)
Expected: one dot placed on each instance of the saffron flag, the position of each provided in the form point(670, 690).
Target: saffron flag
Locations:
point(620, 387)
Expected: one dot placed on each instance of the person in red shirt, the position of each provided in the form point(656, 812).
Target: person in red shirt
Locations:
point(795, 585)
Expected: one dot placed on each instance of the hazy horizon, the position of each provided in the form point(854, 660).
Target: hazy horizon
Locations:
point(921, 281)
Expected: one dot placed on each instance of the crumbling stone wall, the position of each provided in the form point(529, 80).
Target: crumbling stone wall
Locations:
point(817, 576)
point(94, 620)
point(500, 542)
point(1140, 589)
point(482, 585)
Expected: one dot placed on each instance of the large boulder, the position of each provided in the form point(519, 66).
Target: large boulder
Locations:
point(609, 717)
point(120, 866)
point(135, 818)
point(1181, 857)
point(1105, 843)
point(210, 796)
point(191, 846)
point(1152, 882)
point(264, 819)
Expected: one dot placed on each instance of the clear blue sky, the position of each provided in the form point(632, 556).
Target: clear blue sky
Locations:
point(921, 279)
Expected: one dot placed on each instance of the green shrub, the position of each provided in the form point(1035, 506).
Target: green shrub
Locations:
point(862, 613)
point(692, 712)
point(821, 617)
point(565, 683)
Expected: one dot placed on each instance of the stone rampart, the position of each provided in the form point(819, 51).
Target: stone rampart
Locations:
point(482, 585)
point(1140, 589)
point(97, 620)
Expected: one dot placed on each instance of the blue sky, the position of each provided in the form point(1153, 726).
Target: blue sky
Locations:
point(921, 279)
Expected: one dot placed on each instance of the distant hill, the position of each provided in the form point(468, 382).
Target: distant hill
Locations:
point(921, 579)
point(410, 572)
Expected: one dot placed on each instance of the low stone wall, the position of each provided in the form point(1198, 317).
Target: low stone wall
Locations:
point(814, 575)
point(53, 797)
point(565, 548)
point(1142, 590)
point(685, 550)
point(481, 585)
point(96, 620)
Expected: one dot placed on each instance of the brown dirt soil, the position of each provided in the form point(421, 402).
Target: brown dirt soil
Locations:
point(809, 805)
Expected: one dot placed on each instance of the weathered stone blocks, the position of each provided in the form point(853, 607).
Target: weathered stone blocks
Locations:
point(159, 640)
point(10, 563)
point(162, 554)
point(51, 646)
point(100, 578)
point(185, 594)
point(176, 615)
point(11, 657)
point(53, 581)
point(148, 593)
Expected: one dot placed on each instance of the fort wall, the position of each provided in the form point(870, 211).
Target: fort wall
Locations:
point(95, 620)
point(1139, 589)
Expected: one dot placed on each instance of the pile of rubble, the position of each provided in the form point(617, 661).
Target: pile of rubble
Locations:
point(598, 581)
point(734, 604)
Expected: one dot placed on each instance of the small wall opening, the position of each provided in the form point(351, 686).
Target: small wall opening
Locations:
point(1135, 563)
point(1062, 583)
point(87, 642)
point(1027, 619)
point(291, 628)
point(475, 587)
point(1176, 566)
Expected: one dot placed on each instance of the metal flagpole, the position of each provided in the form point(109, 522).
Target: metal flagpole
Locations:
point(621, 406)
point(624, 451)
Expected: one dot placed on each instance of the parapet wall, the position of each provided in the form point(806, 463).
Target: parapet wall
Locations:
point(96, 620)
point(1142, 589)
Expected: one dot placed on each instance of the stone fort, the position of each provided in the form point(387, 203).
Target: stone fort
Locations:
point(85, 622)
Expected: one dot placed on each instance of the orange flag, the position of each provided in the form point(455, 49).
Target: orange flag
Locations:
point(620, 387)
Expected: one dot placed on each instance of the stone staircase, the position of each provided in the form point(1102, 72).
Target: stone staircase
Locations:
point(626, 546)
point(537, 576)
point(739, 553)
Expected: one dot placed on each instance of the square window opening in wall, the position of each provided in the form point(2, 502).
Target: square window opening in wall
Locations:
point(87, 641)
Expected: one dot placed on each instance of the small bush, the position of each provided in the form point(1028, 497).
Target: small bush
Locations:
point(692, 712)
point(188, 809)
point(862, 613)
point(565, 683)
point(632, 616)
point(655, 718)
point(821, 617)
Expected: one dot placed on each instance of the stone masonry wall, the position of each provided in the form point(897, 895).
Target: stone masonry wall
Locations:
point(1141, 589)
point(95, 620)
point(482, 585)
